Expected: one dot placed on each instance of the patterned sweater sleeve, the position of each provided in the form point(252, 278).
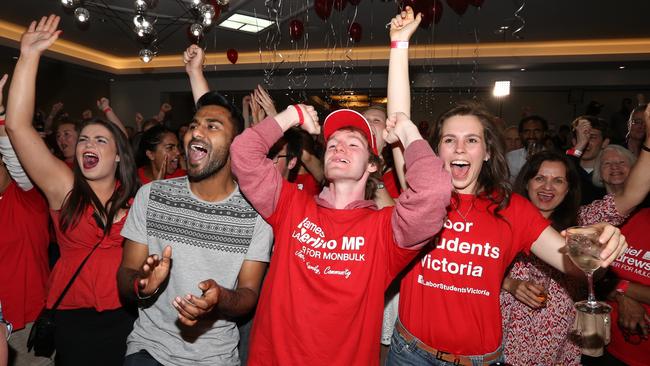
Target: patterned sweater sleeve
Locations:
point(603, 210)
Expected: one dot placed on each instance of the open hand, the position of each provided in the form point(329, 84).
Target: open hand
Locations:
point(40, 36)
point(154, 272)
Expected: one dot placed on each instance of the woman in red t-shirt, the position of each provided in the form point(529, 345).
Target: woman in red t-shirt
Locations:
point(449, 300)
point(88, 205)
point(158, 155)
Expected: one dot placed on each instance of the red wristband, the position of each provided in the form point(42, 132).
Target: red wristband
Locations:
point(301, 118)
point(399, 44)
point(107, 109)
point(2, 119)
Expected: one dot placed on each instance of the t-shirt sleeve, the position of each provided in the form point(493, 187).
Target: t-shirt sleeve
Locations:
point(135, 227)
point(261, 242)
point(527, 223)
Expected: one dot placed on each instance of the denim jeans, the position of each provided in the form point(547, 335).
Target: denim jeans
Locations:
point(141, 358)
point(402, 353)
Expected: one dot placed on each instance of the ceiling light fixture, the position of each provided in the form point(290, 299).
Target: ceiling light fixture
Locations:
point(82, 14)
point(146, 55)
point(69, 3)
point(501, 89)
point(245, 23)
point(621, 67)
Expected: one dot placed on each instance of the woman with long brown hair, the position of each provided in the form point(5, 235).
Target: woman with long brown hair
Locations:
point(88, 206)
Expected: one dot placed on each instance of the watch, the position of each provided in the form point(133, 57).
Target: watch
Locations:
point(9, 326)
point(380, 185)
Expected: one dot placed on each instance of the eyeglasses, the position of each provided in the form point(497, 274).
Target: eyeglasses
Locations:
point(277, 157)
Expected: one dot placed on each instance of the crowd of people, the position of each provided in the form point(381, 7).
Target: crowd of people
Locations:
point(263, 236)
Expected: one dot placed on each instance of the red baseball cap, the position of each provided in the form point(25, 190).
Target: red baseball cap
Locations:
point(348, 118)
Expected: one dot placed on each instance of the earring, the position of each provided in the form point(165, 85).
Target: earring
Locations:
point(117, 158)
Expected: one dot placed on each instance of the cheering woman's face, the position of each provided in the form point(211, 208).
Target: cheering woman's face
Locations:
point(462, 147)
point(548, 188)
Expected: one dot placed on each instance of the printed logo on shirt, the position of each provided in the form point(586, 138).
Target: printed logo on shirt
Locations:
point(455, 245)
point(316, 246)
point(635, 261)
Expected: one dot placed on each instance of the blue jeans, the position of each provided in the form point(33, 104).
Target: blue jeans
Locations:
point(141, 358)
point(403, 353)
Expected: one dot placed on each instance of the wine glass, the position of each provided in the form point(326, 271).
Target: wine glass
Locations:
point(584, 250)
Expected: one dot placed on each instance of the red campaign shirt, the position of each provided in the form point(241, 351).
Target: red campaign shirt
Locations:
point(633, 266)
point(96, 285)
point(144, 180)
point(307, 183)
point(391, 184)
point(323, 258)
point(24, 266)
point(450, 297)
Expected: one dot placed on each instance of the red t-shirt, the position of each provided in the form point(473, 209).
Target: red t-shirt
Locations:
point(307, 183)
point(633, 266)
point(96, 285)
point(450, 297)
point(391, 184)
point(24, 239)
point(322, 300)
point(144, 180)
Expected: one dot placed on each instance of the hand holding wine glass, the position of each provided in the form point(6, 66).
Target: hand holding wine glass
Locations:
point(591, 247)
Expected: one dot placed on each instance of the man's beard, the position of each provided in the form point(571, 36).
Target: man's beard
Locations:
point(215, 164)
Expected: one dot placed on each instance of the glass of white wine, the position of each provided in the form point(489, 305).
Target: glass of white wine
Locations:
point(584, 250)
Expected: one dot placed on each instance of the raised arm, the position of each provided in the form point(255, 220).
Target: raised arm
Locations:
point(193, 57)
point(7, 152)
point(250, 164)
point(105, 106)
point(637, 184)
point(549, 244)
point(48, 173)
point(402, 28)
point(421, 208)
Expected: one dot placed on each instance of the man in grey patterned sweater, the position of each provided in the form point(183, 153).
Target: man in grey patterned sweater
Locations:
point(220, 248)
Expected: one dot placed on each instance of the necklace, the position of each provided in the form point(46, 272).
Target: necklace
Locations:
point(456, 208)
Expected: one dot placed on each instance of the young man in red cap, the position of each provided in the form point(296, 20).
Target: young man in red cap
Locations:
point(335, 253)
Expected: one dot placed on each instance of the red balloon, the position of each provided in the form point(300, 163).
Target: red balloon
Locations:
point(459, 6)
point(432, 13)
point(340, 4)
point(355, 32)
point(232, 55)
point(354, 2)
point(323, 8)
point(476, 3)
point(296, 29)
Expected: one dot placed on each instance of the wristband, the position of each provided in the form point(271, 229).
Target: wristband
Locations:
point(2, 119)
point(107, 109)
point(574, 152)
point(643, 147)
point(301, 118)
point(622, 286)
point(399, 44)
point(136, 289)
